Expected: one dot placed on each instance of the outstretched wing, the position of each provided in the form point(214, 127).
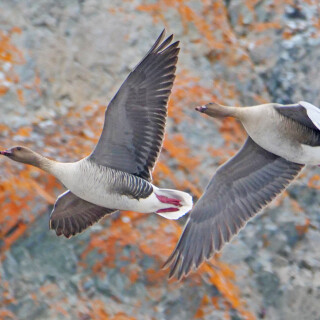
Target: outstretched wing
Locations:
point(239, 190)
point(72, 215)
point(303, 112)
point(135, 118)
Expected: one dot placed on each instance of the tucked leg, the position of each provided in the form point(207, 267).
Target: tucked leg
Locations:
point(164, 199)
point(167, 210)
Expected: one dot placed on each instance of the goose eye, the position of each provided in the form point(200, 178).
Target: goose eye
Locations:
point(19, 148)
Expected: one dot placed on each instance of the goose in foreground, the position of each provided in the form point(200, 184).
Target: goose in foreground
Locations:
point(117, 174)
point(282, 139)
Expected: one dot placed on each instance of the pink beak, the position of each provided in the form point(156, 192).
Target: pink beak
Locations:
point(6, 153)
point(201, 109)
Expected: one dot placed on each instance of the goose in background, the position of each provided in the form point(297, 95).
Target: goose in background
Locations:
point(281, 140)
point(117, 174)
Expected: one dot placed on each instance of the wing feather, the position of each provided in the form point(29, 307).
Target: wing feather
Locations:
point(72, 215)
point(238, 191)
point(135, 119)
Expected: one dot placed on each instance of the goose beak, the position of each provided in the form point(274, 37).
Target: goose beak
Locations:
point(6, 153)
point(201, 109)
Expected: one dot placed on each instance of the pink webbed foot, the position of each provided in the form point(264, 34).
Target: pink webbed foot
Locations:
point(167, 210)
point(164, 199)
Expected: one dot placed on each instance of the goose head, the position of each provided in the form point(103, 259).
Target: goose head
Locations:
point(217, 110)
point(22, 154)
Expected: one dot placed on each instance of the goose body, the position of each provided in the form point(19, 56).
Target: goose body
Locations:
point(117, 174)
point(281, 140)
point(112, 188)
point(281, 135)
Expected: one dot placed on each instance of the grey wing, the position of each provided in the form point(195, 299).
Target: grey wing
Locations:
point(303, 112)
point(135, 118)
point(72, 215)
point(239, 190)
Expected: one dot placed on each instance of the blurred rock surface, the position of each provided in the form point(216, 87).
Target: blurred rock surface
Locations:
point(82, 51)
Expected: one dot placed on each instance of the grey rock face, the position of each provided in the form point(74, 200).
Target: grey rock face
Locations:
point(77, 52)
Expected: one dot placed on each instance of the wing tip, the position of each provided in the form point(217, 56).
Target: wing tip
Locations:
point(179, 268)
point(68, 232)
point(181, 263)
point(163, 32)
point(161, 45)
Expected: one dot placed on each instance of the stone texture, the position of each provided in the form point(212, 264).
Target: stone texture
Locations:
point(82, 51)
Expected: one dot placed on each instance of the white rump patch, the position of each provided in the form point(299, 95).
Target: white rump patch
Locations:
point(175, 215)
point(313, 112)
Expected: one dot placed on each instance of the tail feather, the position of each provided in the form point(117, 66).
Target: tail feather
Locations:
point(185, 203)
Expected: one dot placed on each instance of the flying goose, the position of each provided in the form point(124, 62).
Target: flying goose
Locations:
point(117, 174)
point(282, 139)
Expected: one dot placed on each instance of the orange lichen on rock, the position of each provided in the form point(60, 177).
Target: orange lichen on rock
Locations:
point(7, 315)
point(222, 276)
point(9, 52)
point(10, 55)
point(302, 229)
point(232, 131)
point(188, 15)
point(314, 182)
point(155, 237)
point(262, 26)
point(99, 311)
point(17, 196)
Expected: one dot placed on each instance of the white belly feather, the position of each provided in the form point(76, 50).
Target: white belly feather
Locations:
point(89, 183)
point(265, 131)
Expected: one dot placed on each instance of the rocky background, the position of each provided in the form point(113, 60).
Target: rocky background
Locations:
point(60, 62)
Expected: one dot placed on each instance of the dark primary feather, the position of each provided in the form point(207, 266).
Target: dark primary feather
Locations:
point(72, 215)
point(239, 189)
point(135, 118)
